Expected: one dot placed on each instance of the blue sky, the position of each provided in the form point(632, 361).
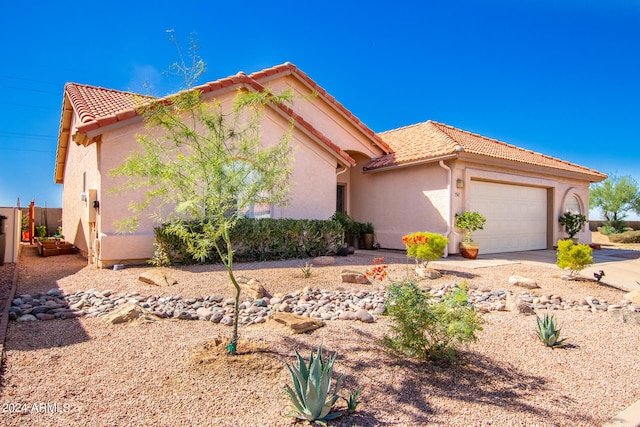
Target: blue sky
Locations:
point(557, 77)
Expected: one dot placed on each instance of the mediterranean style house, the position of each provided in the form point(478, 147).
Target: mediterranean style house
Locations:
point(415, 178)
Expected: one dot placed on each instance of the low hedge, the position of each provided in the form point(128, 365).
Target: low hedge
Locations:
point(626, 237)
point(259, 240)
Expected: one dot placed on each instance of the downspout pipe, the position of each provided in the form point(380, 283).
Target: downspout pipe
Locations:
point(450, 201)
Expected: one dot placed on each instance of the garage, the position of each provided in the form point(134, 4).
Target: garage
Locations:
point(516, 216)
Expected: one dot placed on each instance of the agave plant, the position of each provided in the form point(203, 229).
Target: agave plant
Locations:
point(352, 401)
point(311, 399)
point(548, 332)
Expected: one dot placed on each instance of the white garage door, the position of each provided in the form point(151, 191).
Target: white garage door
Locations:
point(516, 216)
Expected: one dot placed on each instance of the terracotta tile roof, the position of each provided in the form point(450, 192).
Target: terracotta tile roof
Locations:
point(289, 67)
point(431, 140)
point(98, 107)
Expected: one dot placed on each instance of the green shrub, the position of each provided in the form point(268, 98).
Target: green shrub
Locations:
point(612, 227)
point(572, 256)
point(41, 231)
point(428, 329)
point(572, 223)
point(311, 400)
point(424, 245)
point(626, 237)
point(253, 240)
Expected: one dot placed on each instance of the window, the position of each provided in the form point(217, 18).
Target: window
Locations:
point(572, 205)
point(340, 197)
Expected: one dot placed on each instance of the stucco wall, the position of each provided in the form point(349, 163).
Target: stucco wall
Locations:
point(80, 159)
point(324, 118)
point(401, 201)
point(416, 198)
point(312, 187)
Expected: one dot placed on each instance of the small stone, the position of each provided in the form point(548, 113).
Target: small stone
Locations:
point(216, 317)
point(204, 313)
point(364, 316)
point(226, 321)
point(39, 309)
point(27, 318)
point(45, 316)
point(54, 292)
point(229, 301)
point(347, 315)
point(380, 310)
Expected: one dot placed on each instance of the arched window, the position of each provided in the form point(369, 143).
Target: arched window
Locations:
point(572, 204)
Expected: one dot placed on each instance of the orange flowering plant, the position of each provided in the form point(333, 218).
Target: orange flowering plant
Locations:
point(378, 270)
point(425, 246)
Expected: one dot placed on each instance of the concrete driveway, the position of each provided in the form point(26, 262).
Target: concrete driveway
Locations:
point(621, 267)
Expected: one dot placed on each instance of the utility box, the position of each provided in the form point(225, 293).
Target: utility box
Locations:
point(92, 205)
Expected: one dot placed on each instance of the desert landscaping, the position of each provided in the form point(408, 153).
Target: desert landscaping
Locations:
point(173, 371)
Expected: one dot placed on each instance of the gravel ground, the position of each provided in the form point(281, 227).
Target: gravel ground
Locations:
point(168, 373)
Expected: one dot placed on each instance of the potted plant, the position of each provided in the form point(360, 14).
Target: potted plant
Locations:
point(367, 235)
point(469, 222)
point(25, 228)
point(352, 229)
point(572, 223)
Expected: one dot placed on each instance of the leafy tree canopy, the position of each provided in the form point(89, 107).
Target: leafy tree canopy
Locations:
point(206, 162)
point(615, 197)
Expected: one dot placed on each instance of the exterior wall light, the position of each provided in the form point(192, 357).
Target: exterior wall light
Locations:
point(459, 183)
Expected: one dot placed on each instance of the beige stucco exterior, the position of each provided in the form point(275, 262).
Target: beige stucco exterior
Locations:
point(426, 197)
point(330, 149)
point(313, 182)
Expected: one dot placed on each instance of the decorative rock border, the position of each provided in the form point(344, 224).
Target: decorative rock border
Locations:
point(325, 304)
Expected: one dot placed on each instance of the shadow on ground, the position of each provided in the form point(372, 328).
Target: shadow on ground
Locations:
point(474, 379)
point(37, 275)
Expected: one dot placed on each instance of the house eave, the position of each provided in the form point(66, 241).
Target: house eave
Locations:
point(410, 164)
point(528, 167)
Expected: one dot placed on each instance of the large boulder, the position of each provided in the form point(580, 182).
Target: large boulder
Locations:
point(252, 287)
point(350, 276)
point(295, 323)
point(157, 277)
point(523, 282)
point(128, 312)
point(324, 260)
point(428, 273)
point(633, 296)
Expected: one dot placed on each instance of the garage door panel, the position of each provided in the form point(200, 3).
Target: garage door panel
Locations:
point(516, 216)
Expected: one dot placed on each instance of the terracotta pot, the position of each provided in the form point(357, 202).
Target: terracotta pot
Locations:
point(367, 241)
point(469, 249)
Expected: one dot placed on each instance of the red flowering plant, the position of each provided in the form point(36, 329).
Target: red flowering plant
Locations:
point(425, 246)
point(378, 270)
